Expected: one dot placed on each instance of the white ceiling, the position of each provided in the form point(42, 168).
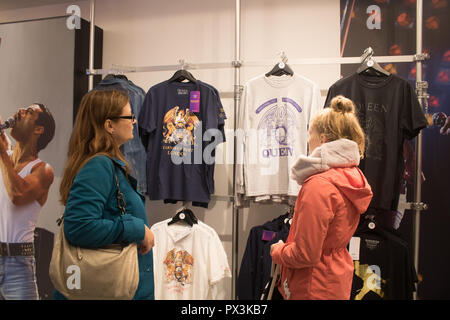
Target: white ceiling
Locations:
point(19, 4)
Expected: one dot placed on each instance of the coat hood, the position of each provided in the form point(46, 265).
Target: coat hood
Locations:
point(343, 156)
point(335, 154)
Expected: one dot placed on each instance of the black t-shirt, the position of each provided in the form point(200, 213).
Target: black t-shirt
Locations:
point(384, 270)
point(389, 113)
point(175, 140)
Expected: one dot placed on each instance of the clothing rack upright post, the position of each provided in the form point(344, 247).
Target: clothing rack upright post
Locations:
point(422, 95)
point(237, 98)
point(421, 87)
point(91, 43)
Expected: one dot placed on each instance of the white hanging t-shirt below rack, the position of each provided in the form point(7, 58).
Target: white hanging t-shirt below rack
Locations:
point(189, 262)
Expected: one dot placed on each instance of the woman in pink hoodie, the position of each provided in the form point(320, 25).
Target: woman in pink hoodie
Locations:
point(315, 261)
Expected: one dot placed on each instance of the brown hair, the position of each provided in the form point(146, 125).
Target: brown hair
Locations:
point(89, 137)
point(45, 119)
point(340, 122)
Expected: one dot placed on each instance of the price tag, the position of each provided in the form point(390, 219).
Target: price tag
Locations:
point(268, 235)
point(354, 247)
point(194, 105)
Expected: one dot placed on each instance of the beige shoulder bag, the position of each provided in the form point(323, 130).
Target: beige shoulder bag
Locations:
point(107, 273)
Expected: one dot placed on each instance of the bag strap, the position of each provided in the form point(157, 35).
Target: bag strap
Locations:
point(121, 203)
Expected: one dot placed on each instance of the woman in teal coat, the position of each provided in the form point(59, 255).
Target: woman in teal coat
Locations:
point(88, 190)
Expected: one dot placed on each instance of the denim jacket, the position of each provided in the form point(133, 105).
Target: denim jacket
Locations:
point(133, 150)
point(92, 217)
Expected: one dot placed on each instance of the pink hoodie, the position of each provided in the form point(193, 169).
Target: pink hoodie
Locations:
point(315, 260)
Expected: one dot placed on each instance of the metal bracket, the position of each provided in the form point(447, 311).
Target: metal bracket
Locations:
point(236, 63)
point(421, 56)
point(417, 206)
point(421, 89)
point(238, 89)
point(422, 94)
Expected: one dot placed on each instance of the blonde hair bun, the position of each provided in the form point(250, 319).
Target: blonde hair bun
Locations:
point(342, 104)
point(340, 122)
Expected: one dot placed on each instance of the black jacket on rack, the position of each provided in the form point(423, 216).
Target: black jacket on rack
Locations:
point(256, 262)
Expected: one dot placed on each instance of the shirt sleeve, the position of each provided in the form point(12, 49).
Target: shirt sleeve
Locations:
point(213, 138)
point(312, 216)
point(218, 261)
point(84, 224)
point(147, 118)
point(221, 115)
point(316, 106)
point(412, 119)
point(330, 95)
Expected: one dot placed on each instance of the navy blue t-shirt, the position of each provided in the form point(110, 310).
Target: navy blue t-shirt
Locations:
point(175, 141)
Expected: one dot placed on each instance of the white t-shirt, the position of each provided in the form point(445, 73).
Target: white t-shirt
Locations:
point(17, 223)
point(189, 262)
point(274, 116)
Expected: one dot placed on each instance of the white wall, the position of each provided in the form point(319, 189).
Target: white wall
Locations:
point(143, 33)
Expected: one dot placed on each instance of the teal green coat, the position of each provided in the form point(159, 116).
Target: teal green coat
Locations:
point(93, 219)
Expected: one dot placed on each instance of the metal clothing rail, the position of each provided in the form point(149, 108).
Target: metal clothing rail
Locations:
point(421, 87)
point(119, 69)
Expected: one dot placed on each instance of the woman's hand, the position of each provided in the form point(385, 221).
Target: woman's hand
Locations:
point(275, 244)
point(148, 242)
point(4, 145)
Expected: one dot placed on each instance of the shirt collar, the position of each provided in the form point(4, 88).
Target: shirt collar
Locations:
point(179, 231)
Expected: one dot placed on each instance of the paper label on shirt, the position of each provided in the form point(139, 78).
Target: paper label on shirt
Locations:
point(194, 105)
point(355, 243)
point(181, 91)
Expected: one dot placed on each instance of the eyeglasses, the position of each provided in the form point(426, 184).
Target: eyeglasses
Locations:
point(131, 117)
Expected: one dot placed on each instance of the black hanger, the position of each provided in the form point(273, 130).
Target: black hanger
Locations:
point(115, 76)
point(370, 66)
point(279, 69)
point(181, 75)
point(368, 225)
point(109, 76)
point(185, 215)
point(289, 215)
point(121, 76)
